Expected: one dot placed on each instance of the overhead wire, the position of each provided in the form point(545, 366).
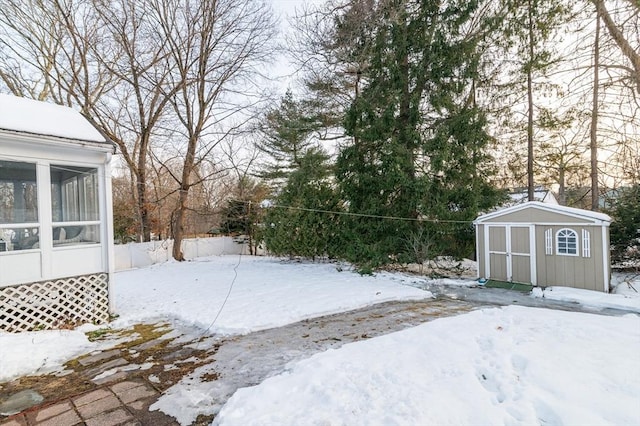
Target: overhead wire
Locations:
point(306, 209)
point(372, 216)
point(226, 298)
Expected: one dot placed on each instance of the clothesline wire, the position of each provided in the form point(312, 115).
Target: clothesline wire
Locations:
point(366, 215)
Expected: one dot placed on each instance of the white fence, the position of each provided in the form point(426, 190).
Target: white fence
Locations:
point(138, 255)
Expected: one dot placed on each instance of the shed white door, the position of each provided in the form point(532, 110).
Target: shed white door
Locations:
point(510, 251)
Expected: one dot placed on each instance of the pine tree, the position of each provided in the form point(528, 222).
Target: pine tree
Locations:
point(299, 173)
point(298, 223)
point(285, 138)
point(418, 138)
point(625, 229)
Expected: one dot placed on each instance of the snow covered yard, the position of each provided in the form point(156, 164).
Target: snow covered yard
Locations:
point(502, 366)
point(263, 292)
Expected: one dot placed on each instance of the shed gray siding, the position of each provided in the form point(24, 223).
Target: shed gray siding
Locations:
point(524, 258)
point(480, 251)
point(532, 215)
point(571, 271)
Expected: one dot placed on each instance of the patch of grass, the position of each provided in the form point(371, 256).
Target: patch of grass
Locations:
point(210, 377)
point(203, 420)
point(508, 286)
point(145, 333)
point(365, 270)
point(97, 334)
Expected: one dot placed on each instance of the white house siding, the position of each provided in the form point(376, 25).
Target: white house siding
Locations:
point(46, 264)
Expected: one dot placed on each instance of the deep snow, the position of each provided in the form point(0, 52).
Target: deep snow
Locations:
point(508, 366)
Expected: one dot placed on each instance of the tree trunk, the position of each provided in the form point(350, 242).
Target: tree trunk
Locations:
point(178, 224)
point(143, 209)
point(594, 117)
point(562, 190)
point(141, 187)
point(530, 180)
point(620, 40)
point(185, 185)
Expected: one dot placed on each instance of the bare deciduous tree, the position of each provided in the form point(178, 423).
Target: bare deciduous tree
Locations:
point(215, 49)
point(629, 13)
point(97, 55)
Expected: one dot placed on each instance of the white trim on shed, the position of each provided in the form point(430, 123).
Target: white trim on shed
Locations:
point(596, 217)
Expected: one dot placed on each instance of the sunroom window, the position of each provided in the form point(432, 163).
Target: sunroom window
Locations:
point(19, 228)
point(567, 242)
point(74, 205)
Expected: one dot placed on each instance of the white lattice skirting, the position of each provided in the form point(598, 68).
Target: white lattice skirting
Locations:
point(55, 304)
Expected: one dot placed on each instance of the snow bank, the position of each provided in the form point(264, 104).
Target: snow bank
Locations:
point(625, 300)
point(39, 352)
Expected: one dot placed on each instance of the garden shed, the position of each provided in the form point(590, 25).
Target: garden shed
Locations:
point(56, 239)
point(545, 245)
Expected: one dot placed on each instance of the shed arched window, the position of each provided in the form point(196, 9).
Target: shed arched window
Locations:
point(567, 242)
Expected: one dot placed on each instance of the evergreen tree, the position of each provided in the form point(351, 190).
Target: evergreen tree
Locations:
point(242, 212)
point(298, 224)
point(299, 173)
point(285, 132)
point(625, 229)
point(418, 138)
point(236, 217)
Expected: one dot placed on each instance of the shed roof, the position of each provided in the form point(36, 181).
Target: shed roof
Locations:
point(568, 211)
point(46, 119)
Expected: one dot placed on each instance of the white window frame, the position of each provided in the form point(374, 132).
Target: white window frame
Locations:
point(567, 232)
point(77, 204)
point(586, 243)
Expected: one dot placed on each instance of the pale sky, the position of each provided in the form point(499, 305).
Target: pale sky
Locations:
point(284, 9)
point(287, 7)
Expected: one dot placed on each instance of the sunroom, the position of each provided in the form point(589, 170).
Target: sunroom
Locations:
point(55, 217)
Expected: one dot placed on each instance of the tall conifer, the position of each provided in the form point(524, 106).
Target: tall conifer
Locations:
point(418, 137)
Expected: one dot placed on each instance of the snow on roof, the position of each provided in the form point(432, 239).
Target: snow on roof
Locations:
point(544, 196)
point(571, 211)
point(42, 118)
